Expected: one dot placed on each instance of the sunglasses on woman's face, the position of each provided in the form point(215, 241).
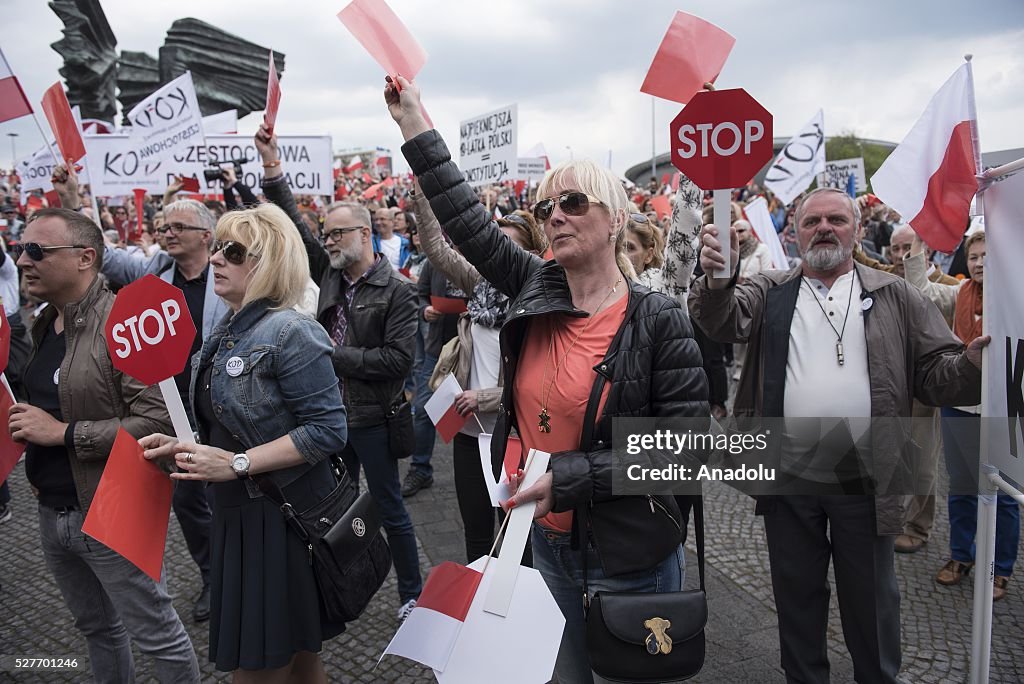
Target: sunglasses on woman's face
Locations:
point(571, 203)
point(234, 252)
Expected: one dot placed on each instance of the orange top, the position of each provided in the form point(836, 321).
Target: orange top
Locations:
point(567, 391)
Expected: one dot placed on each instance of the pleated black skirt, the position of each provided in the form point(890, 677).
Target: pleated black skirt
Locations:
point(265, 604)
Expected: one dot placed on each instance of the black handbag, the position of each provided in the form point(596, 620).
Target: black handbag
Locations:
point(349, 555)
point(645, 638)
point(401, 435)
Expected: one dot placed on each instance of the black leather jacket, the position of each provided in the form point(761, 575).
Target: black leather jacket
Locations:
point(653, 365)
point(380, 343)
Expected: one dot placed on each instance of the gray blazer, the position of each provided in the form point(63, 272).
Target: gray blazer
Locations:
point(122, 268)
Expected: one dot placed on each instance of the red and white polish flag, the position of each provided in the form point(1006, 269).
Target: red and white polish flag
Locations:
point(13, 103)
point(930, 178)
point(441, 409)
point(429, 634)
point(354, 164)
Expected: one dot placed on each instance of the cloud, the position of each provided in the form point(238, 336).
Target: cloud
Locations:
point(575, 67)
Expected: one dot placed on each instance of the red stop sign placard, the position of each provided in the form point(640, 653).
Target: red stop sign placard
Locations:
point(721, 139)
point(149, 330)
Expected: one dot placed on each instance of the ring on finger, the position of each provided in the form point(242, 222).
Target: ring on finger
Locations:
point(189, 458)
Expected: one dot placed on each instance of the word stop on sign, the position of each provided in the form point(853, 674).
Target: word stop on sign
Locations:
point(711, 138)
point(146, 329)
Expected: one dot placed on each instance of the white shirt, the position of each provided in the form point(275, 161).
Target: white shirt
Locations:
point(483, 373)
point(816, 385)
point(392, 249)
point(9, 285)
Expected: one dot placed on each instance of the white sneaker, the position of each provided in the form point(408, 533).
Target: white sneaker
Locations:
point(406, 609)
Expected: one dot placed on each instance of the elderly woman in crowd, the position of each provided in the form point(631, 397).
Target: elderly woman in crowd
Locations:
point(477, 362)
point(961, 427)
point(266, 401)
point(570, 318)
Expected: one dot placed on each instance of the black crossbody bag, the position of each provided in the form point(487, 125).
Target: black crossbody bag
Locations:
point(347, 551)
point(646, 638)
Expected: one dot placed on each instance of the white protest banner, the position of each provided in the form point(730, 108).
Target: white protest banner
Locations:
point(224, 122)
point(36, 170)
point(799, 162)
point(167, 121)
point(116, 167)
point(1003, 368)
point(837, 173)
point(487, 147)
point(531, 169)
point(756, 212)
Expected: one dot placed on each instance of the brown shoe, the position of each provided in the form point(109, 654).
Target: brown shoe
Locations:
point(952, 572)
point(999, 587)
point(907, 544)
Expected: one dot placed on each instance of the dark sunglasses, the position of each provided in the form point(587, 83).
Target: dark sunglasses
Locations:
point(571, 203)
point(36, 251)
point(176, 228)
point(517, 219)
point(234, 252)
point(337, 233)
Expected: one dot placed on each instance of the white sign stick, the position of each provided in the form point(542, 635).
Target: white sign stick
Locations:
point(506, 566)
point(179, 419)
point(723, 221)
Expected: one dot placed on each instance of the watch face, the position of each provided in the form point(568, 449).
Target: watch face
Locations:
point(240, 463)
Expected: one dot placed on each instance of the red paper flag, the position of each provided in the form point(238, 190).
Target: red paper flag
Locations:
point(519, 186)
point(63, 124)
point(385, 37)
point(132, 505)
point(661, 205)
point(10, 451)
point(13, 103)
point(374, 189)
point(190, 184)
point(691, 54)
point(140, 196)
point(448, 305)
point(273, 95)
point(367, 178)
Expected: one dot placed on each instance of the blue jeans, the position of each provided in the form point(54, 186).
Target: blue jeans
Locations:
point(561, 568)
point(961, 442)
point(112, 600)
point(422, 427)
point(368, 447)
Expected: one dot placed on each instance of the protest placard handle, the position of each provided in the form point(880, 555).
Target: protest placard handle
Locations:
point(723, 221)
point(179, 419)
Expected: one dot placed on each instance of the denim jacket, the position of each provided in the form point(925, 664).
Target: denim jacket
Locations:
point(272, 376)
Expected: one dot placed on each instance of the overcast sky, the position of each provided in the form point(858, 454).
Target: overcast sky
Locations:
point(575, 66)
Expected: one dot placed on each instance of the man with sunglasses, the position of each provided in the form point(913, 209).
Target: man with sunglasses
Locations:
point(76, 403)
point(187, 231)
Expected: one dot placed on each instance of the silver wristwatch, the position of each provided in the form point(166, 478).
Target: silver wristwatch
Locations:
point(240, 464)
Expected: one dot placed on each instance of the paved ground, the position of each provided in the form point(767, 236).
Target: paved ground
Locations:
point(742, 639)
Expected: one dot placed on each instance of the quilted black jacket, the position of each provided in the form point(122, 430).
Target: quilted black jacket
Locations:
point(653, 365)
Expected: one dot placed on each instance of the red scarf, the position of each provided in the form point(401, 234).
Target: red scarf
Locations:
point(967, 317)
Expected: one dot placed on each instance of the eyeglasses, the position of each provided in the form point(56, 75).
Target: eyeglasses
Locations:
point(234, 252)
point(637, 217)
point(337, 233)
point(176, 228)
point(36, 251)
point(517, 219)
point(571, 203)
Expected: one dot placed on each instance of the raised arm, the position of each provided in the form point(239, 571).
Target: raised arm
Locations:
point(440, 254)
point(681, 248)
point(453, 201)
point(276, 190)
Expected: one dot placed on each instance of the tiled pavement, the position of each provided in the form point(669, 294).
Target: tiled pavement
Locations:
point(742, 639)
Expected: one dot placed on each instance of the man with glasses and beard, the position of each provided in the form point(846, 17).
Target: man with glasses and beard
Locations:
point(186, 232)
point(76, 404)
point(811, 332)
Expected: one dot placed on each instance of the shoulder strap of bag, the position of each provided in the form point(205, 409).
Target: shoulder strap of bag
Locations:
point(274, 492)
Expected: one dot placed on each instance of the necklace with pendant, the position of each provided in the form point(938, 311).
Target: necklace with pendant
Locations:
point(544, 422)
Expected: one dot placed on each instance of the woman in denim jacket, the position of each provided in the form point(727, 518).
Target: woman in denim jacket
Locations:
point(266, 401)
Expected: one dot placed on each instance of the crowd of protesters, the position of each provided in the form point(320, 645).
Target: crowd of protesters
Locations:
point(582, 271)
